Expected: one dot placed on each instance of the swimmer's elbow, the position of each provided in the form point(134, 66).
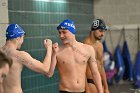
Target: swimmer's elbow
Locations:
point(49, 72)
point(49, 75)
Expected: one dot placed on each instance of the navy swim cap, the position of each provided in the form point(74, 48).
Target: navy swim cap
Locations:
point(98, 24)
point(14, 31)
point(67, 24)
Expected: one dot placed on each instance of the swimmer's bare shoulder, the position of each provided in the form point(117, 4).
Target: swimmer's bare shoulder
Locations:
point(87, 41)
point(99, 44)
point(89, 48)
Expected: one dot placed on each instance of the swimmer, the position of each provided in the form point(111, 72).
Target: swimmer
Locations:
point(97, 31)
point(71, 60)
point(14, 40)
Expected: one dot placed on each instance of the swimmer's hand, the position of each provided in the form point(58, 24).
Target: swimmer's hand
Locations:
point(47, 43)
point(55, 47)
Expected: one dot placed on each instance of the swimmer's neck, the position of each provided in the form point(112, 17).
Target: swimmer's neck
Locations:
point(10, 45)
point(71, 44)
point(93, 39)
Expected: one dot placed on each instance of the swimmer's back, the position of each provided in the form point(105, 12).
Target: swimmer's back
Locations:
point(12, 83)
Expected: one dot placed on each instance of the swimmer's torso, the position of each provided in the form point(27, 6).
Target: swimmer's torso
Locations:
point(71, 63)
point(12, 83)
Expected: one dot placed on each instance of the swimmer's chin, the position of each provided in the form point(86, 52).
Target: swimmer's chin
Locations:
point(65, 42)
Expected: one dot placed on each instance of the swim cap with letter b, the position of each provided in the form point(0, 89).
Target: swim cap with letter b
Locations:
point(98, 24)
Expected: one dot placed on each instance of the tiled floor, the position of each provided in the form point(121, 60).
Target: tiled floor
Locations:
point(125, 87)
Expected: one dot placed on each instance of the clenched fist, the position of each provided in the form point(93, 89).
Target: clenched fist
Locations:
point(47, 43)
point(55, 47)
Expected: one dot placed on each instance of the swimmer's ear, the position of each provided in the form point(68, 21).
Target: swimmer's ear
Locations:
point(17, 38)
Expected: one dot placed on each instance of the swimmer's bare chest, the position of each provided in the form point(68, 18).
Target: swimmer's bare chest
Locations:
point(71, 63)
point(70, 57)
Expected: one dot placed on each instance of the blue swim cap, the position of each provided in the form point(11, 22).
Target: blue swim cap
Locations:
point(98, 24)
point(67, 24)
point(14, 31)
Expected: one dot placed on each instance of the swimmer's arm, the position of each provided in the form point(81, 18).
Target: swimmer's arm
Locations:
point(96, 76)
point(33, 64)
point(94, 70)
point(54, 59)
point(53, 65)
point(102, 70)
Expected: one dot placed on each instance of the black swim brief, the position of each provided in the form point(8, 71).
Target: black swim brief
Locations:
point(70, 92)
point(90, 81)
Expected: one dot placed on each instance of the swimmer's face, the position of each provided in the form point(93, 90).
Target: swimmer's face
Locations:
point(98, 34)
point(66, 36)
point(4, 72)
